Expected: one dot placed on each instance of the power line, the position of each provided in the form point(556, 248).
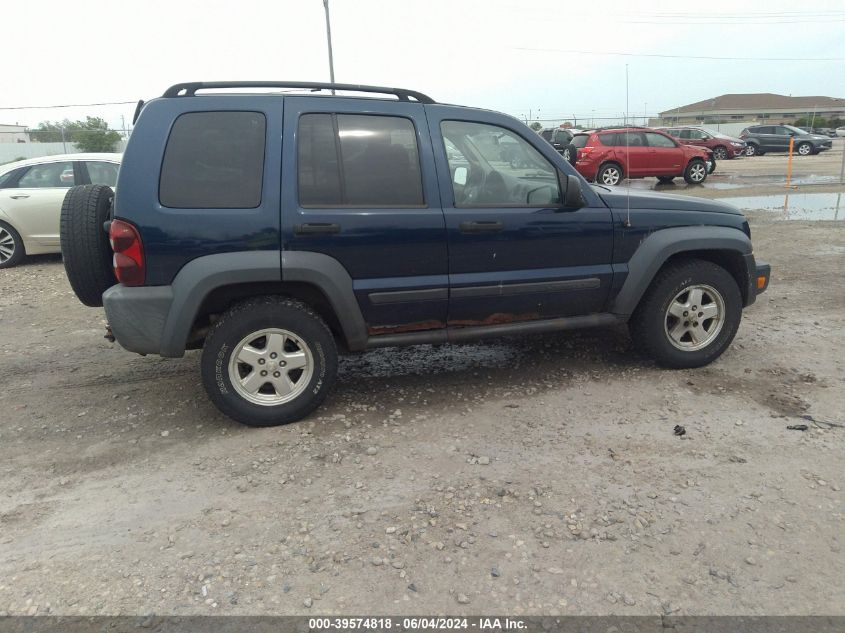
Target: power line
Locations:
point(69, 105)
point(709, 57)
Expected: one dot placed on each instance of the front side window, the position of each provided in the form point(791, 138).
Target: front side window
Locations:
point(697, 135)
point(101, 173)
point(214, 160)
point(492, 166)
point(49, 175)
point(658, 140)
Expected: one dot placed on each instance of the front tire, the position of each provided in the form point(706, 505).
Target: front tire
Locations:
point(720, 153)
point(752, 149)
point(12, 249)
point(269, 361)
point(689, 315)
point(805, 149)
point(696, 172)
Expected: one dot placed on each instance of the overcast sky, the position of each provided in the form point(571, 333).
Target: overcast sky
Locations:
point(472, 52)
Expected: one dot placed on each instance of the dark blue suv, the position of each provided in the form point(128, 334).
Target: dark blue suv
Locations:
point(275, 229)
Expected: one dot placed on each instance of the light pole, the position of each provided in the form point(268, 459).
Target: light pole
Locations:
point(329, 41)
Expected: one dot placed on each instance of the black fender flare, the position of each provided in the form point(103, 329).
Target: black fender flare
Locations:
point(199, 277)
point(659, 246)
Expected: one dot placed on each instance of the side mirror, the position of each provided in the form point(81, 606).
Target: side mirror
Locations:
point(574, 197)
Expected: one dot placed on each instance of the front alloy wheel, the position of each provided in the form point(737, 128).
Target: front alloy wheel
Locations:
point(720, 153)
point(696, 172)
point(695, 317)
point(805, 149)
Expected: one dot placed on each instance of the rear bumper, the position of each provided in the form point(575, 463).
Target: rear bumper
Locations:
point(137, 316)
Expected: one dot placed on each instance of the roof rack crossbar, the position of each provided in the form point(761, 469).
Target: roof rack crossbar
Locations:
point(190, 89)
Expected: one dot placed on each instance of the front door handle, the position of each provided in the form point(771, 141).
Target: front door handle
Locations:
point(317, 228)
point(18, 196)
point(482, 226)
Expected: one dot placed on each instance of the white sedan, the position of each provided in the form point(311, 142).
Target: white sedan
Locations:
point(31, 195)
point(840, 131)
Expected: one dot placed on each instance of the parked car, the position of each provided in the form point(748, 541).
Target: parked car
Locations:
point(610, 155)
point(840, 131)
point(31, 194)
point(561, 140)
point(275, 230)
point(761, 139)
point(723, 146)
point(823, 131)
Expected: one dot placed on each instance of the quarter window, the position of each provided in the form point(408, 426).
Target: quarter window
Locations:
point(49, 175)
point(492, 166)
point(214, 160)
point(353, 160)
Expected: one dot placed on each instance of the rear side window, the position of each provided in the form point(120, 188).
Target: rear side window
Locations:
point(358, 160)
point(102, 173)
point(214, 160)
point(608, 140)
point(658, 140)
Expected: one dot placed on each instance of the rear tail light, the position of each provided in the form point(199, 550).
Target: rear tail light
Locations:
point(583, 152)
point(128, 261)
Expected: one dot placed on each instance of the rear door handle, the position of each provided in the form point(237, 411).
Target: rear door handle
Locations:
point(482, 226)
point(18, 196)
point(317, 228)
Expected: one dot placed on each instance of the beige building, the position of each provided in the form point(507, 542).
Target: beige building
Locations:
point(762, 107)
point(13, 134)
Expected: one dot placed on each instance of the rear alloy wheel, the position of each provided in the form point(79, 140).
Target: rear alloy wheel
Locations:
point(11, 246)
point(269, 361)
point(720, 153)
point(805, 149)
point(696, 172)
point(609, 174)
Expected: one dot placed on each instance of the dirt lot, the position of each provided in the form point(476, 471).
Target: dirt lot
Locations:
point(520, 476)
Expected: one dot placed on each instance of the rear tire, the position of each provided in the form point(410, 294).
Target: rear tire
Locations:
point(681, 341)
point(86, 251)
point(284, 339)
point(609, 174)
point(12, 250)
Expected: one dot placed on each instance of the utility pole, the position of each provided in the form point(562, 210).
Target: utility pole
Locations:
point(64, 144)
point(329, 41)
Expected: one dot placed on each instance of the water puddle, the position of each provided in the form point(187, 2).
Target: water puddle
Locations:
point(795, 206)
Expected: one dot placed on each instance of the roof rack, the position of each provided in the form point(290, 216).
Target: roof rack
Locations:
point(617, 127)
point(190, 89)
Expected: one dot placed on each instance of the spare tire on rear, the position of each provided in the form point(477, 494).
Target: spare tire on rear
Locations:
point(86, 250)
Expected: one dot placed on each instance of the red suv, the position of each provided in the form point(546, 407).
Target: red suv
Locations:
point(723, 146)
point(609, 155)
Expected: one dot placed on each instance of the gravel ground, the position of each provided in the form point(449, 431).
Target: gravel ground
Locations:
point(520, 476)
